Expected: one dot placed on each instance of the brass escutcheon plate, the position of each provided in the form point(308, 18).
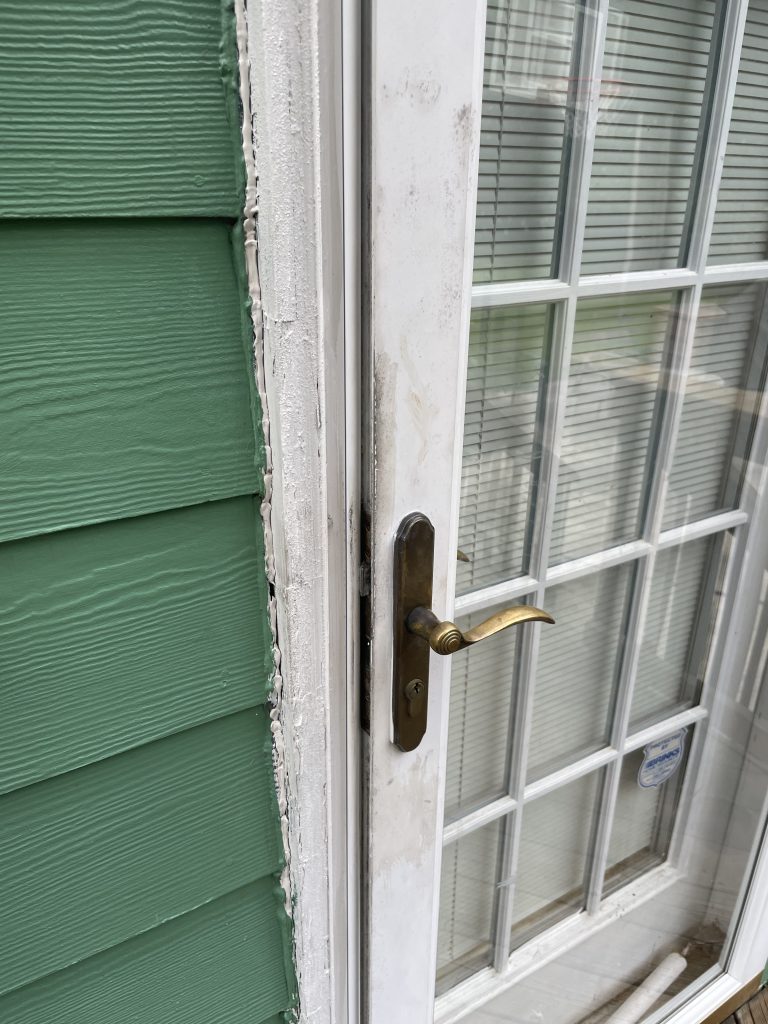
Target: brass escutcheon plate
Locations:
point(414, 556)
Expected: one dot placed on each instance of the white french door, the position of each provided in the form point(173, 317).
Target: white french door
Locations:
point(567, 340)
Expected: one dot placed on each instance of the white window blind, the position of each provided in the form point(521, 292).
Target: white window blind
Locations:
point(505, 360)
point(482, 690)
point(714, 396)
point(654, 76)
point(576, 672)
point(741, 221)
point(555, 840)
point(617, 351)
point(665, 674)
point(467, 887)
point(636, 840)
point(527, 64)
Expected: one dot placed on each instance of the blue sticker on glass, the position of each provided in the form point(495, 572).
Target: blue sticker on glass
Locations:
point(662, 759)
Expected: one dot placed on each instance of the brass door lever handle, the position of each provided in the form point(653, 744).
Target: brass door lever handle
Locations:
point(417, 630)
point(447, 638)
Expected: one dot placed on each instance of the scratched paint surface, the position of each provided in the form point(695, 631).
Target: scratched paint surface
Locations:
point(140, 848)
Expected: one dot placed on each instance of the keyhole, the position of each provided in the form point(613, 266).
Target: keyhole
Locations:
point(413, 692)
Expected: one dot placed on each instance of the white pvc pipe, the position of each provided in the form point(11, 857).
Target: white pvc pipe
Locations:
point(647, 992)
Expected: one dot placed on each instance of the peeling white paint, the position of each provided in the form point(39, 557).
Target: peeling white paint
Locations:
point(250, 211)
point(293, 252)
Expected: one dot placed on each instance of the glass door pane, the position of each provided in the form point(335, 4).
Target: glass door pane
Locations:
point(612, 410)
point(524, 137)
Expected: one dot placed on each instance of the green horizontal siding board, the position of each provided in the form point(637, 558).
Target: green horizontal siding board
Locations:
point(126, 384)
point(96, 856)
point(221, 964)
point(117, 634)
point(115, 109)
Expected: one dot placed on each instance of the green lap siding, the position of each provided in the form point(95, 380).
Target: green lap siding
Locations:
point(220, 964)
point(140, 843)
point(130, 630)
point(125, 382)
point(115, 108)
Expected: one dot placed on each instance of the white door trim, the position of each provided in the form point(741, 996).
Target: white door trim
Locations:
point(295, 70)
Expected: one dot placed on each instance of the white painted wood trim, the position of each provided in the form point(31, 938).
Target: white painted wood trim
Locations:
point(423, 88)
point(295, 91)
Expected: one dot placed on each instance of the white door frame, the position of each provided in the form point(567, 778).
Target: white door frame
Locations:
point(303, 305)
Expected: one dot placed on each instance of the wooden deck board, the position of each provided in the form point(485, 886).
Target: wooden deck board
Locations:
point(753, 1012)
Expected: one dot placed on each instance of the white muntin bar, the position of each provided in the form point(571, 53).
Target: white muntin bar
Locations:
point(665, 727)
point(523, 586)
point(589, 564)
point(478, 819)
point(572, 772)
point(703, 528)
point(598, 285)
point(733, 273)
point(515, 292)
point(509, 590)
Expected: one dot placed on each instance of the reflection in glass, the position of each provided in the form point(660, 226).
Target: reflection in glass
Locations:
point(654, 76)
point(721, 392)
point(554, 847)
point(677, 628)
point(467, 887)
point(740, 230)
point(525, 92)
point(505, 359)
point(645, 812)
point(617, 352)
point(482, 689)
point(577, 668)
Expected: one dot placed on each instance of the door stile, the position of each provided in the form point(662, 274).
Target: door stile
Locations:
point(424, 82)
